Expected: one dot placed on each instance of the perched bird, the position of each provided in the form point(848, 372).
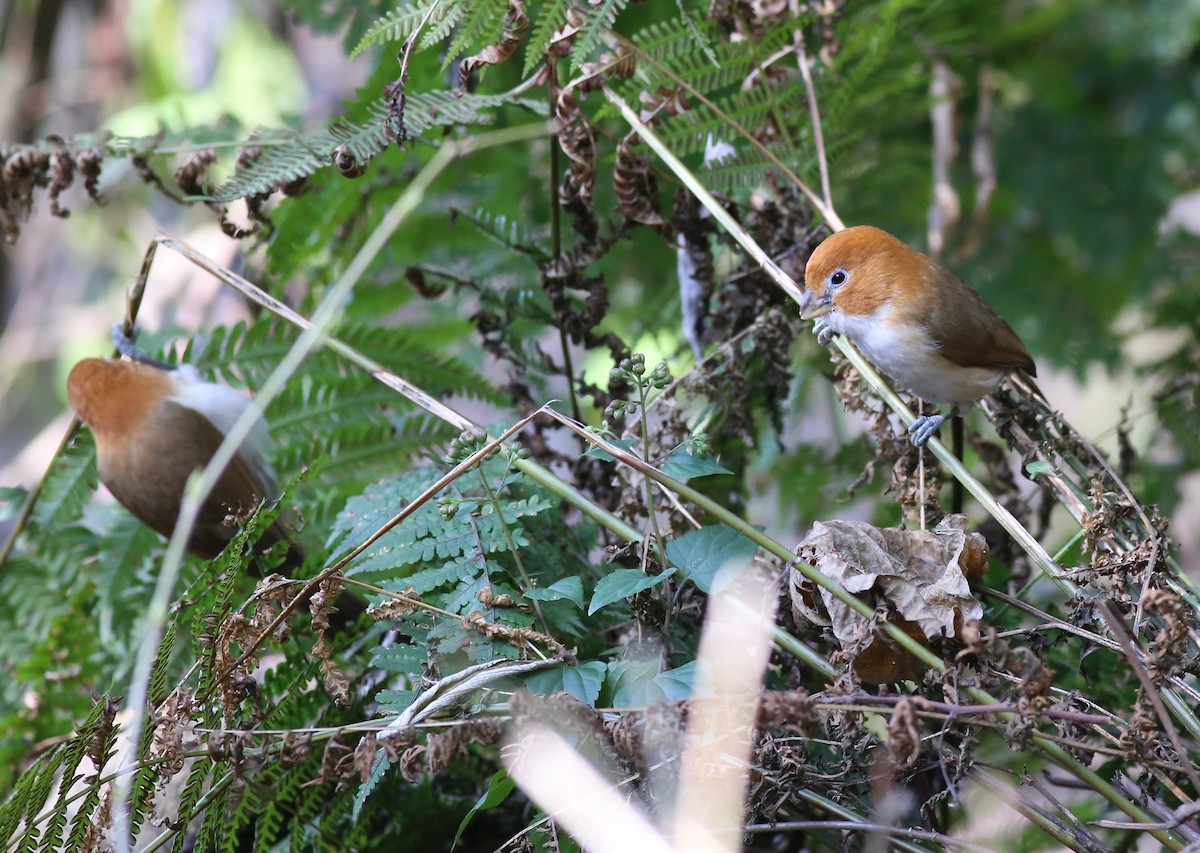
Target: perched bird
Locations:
point(153, 427)
point(912, 318)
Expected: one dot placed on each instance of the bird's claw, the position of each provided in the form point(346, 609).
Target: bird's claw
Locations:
point(125, 346)
point(924, 428)
point(822, 330)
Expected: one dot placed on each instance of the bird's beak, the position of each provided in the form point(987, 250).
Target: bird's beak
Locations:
point(811, 308)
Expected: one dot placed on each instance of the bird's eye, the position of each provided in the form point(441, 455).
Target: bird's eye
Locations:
point(838, 277)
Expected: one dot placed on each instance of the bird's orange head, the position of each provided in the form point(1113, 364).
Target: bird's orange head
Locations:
point(116, 398)
point(860, 270)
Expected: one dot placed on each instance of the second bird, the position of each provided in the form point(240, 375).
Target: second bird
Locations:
point(154, 427)
point(912, 318)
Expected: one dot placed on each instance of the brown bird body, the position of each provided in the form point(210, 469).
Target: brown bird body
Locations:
point(153, 429)
point(912, 318)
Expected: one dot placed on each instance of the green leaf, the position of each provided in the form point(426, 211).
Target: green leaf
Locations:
point(378, 769)
point(1040, 467)
point(701, 553)
point(639, 683)
point(604, 455)
point(570, 589)
point(394, 701)
point(622, 583)
point(498, 790)
point(11, 500)
point(677, 684)
point(585, 680)
point(683, 465)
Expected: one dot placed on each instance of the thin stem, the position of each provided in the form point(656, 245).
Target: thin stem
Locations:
point(814, 115)
point(659, 546)
point(494, 500)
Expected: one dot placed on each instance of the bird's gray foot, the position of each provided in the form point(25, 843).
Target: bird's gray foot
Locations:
point(924, 428)
point(822, 330)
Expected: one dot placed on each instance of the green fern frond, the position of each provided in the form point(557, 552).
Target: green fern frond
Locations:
point(73, 752)
point(101, 744)
point(551, 19)
point(378, 770)
point(289, 156)
point(689, 132)
point(271, 818)
point(747, 168)
point(39, 793)
point(439, 30)
point(482, 25)
point(429, 109)
point(141, 794)
point(69, 487)
point(675, 47)
point(601, 15)
point(394, 701)
point(196, 783)
point(211, 835)
point(161, 670)
point(400, 24)
point(505, 232)
point(402, 658)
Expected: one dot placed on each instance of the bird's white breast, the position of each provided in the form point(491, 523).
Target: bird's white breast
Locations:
point(906, 353)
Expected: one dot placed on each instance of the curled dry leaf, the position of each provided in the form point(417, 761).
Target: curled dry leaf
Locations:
point(515, 25)
point(922, 575)
point(636, 186)
point(575, 138)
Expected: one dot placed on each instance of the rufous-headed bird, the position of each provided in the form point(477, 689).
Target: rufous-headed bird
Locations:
point(154, 427)
point(912, 318)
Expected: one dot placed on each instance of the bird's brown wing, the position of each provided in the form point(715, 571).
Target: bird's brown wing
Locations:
point(974, 335)
point(238, 491)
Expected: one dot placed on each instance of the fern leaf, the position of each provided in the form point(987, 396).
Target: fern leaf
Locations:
point(553, 17)
point(141, 795)
point(437, 30)
point(47, 774)
point(505, 232)
point(189, 797)
point(378, 769)
point(212, 828)
point(69, 486)
point(158, 675)
point(394, 701)
point(401, 23)
point(430, 579)
point(403, 658)
point(603, 13)
point(73, 754)
point(483, 24)
point(288, 156)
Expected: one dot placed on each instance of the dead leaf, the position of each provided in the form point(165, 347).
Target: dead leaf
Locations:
point(921, 574)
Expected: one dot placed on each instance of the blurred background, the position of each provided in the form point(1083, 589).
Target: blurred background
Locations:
point(131, 68)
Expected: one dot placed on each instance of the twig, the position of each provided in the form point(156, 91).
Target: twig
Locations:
point(814, 114)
